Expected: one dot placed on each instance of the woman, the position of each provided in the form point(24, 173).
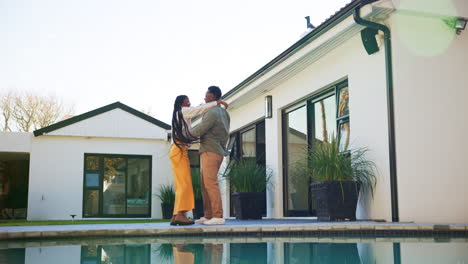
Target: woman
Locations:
point(181, 125)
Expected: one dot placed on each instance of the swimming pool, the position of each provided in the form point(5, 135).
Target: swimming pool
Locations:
point(255, 250)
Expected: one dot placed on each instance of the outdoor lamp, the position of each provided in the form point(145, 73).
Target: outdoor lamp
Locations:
point(268, 106)
point(460, 25)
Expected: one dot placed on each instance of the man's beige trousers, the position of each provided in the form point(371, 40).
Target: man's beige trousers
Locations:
point(212, 203)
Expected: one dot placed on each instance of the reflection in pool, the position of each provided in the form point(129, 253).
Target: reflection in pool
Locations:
point(238, 250)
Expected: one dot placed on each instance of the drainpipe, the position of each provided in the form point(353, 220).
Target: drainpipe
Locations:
point(390, 111)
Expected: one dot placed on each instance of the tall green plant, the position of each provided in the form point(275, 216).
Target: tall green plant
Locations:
point(327, 163)
point(246, 175)
point(196, 182)
point(166, 194)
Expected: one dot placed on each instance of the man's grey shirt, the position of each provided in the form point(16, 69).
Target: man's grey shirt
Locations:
point(213, 131)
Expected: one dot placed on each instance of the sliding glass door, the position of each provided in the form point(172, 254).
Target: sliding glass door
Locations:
point(297, 191)
point(313, 121)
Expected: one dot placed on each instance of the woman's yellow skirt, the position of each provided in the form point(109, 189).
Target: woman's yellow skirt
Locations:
point(184, 199)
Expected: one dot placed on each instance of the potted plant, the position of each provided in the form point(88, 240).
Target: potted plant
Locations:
point(197, 192)
point(166, 194)
point(248, 181)
point(337, 178)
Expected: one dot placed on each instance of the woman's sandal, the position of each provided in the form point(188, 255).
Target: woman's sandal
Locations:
point(183, 223)
point(173, 220)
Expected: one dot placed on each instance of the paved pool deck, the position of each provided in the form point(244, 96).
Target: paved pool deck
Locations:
point(265, 227)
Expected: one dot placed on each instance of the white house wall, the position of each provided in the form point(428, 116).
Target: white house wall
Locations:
point(366, 76)
point(431, 128)
point(114, 123)
point(56, 172)
point(15, 142)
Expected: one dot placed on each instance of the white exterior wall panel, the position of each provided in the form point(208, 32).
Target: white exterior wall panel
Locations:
point(56, 172)
point(115, 123)
point(431, 122)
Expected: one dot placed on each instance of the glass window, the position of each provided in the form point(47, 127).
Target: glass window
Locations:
point(91, 203)
point(92, 179)
point(92, 163)
point(138, 183)
point(343, 104)
point(232, 146)
point(260, 144)
point(122, 186)
point(325, 119)
point(113, 189)
point(248, 144)
point(345, 131)
point(296, 136)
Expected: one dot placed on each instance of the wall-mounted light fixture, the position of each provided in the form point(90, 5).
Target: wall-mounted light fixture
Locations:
point(460, 25)
point(268, 106)
point(457, 23)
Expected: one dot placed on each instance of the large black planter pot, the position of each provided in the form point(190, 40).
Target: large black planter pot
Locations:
point(248, 205)
point(167, 210)
point(198, 211)
point(335, 200)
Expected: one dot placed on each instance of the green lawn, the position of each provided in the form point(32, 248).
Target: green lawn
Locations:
point(77, 222)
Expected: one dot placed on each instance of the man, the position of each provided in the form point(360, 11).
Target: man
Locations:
point(213, 132)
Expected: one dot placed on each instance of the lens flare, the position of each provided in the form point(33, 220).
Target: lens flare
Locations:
point(424, 26)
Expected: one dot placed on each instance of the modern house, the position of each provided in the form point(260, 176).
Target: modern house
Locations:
point(377, 74)
point(108, 162)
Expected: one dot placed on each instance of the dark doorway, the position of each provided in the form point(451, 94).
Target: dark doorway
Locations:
point(14, 182)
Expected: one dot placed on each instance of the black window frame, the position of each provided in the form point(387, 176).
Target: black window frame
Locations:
point(236, 150)
point(332, 90)
point(100, 191)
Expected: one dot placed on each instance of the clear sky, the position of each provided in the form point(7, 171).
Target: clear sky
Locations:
point(144, 52)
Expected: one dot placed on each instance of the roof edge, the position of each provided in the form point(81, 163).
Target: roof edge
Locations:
point(99, 111)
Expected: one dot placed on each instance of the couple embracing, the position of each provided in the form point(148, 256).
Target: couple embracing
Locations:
point(212, 134)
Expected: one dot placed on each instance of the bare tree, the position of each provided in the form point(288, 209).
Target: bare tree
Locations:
point(51, 110)
point(25, 110)
point(6, 106)
point(31, 111)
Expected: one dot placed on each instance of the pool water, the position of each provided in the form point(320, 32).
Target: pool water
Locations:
point(238, 250)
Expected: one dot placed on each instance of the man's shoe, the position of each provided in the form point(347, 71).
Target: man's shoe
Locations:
point(201, 220)
point(215, 221)
point(172, 220)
